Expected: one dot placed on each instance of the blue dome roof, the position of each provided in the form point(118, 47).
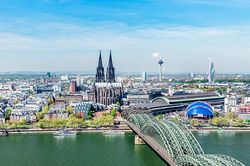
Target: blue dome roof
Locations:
point(200, 108)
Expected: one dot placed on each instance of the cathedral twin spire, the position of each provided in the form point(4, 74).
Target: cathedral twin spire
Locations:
point(100, 70)
point(110, 74)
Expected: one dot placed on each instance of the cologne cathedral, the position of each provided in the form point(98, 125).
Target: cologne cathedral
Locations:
point(106, 90)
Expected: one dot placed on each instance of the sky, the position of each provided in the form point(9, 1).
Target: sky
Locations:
point(66, 35)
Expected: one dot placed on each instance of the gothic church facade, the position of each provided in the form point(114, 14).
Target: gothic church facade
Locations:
point(106, 90)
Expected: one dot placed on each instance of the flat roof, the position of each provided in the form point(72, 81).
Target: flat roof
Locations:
point(200, 95)
point(189, 98)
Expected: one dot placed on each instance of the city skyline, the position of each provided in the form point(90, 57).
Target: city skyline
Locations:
point(65, 35)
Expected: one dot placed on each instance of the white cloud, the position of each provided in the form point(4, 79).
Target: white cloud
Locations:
point(156, 55)
point(234, 3)
point(185, 48)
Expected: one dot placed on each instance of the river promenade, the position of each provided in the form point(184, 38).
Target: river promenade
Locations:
point(124, 129)
point(52, 130)
point(216, 129)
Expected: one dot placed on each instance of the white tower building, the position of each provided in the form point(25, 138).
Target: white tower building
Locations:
point(211, 73)
point(144, 76)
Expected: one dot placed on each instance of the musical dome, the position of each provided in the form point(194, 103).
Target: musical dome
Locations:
point(199, 110)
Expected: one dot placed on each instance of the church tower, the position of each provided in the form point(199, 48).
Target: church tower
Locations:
point(110, 75)
point(100, 70)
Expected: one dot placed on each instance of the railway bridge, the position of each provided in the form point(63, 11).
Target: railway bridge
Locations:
point(175, 143)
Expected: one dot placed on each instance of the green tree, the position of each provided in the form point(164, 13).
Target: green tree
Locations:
point(70, 109)
point(40, 115)
point(194, 122)
point(91, 113)
point(219, 121)
point(230, 115)
point(45, 109)
point(176, 119)
point(18, 124)
point(74, 122)
point(113, 112)
point(51, 101)
point(159, 117)
point(216, 114)
point(118, 103)
point(3, 126)
point(238, 122)
point(8, 112)
point(107, 120)
point(51, 123)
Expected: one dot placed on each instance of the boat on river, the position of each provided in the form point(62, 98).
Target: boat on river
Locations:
point(220, 131)
point(64, 133)
point(113, 132)
point(203, 132)
point(4, 133)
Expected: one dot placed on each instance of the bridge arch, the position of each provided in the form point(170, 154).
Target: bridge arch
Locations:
point(207, 160)
point(181, 146)
point(133, 119)
point(154, 130)
point(139, 119)
point(188, 142)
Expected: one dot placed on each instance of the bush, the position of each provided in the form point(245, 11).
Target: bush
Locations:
point(74, 122)
point(51, 123)
point(194, 122)
point(238, 122)
point(18, 125)
point(219, 121)
point(3, 126)
point(107, 120)
point(159, 117)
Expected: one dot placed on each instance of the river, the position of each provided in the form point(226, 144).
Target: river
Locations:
point(95, 149)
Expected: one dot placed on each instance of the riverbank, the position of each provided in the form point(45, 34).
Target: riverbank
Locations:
point(124, 129)
point(52, 130)
point(235, 129)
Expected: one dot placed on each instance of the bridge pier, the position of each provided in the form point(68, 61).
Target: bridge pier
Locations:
point(139, 140)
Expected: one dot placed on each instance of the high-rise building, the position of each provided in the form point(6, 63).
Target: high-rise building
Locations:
point(64, 78)
point(48, 74)
point(57, 88)
point(100, 70)
point(79, 81)
point(110, 75)
point(144, 76)
point(211, 73)
point(72, 87)
point(192, 75)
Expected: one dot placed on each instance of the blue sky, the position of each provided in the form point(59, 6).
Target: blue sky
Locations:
point(65, 35)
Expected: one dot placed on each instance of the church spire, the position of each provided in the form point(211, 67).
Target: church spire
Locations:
point(110, 75)
point(100, 70)
point(100, 59)
point(110, 65)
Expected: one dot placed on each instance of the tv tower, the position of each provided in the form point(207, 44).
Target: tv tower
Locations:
point(160, 62)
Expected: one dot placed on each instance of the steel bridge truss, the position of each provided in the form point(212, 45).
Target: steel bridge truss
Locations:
point(179, 142)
